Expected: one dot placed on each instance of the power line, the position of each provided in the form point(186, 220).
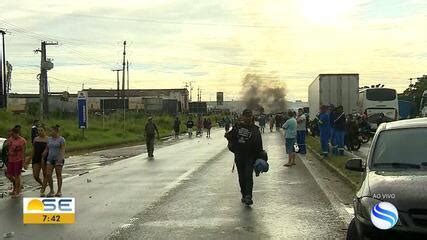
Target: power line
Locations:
point(40, 37)
point(163, 21)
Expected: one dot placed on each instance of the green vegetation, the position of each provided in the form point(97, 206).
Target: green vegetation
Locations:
point(336, 161)
point(100, 133)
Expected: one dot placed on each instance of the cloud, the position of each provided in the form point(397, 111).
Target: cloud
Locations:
point(214, 43)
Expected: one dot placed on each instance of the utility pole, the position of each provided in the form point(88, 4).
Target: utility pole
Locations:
point(45, 65)
point(189, 85)
point(198, 94)
point(4, 90)
point(118, 81)
point(127, 68)
point(123, 86)
point(124, 73)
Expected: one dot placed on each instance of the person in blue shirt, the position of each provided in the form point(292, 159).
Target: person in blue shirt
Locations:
point(290, 127)
point(332, 116)
point(324, 127)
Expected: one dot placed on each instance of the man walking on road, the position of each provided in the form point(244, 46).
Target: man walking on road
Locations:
point(246, 143)
point(227, 123)
point(150, 133)
point(271, 123)
point(176, 127)
point(190, 125)
point(301, 131)
point(290, 127)
point(262, 121)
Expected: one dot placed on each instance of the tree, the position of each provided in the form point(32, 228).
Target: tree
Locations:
point(415, 91)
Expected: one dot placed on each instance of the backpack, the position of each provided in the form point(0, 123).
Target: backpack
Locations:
point(232, 139)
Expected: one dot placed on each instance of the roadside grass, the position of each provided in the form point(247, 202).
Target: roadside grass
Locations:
point(100, 133)
point(337, 161)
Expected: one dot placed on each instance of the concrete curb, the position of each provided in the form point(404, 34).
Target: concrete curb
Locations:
point(332, 168)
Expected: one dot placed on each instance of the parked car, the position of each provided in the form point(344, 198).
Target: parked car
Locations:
point(1, 145)
point(395, 172)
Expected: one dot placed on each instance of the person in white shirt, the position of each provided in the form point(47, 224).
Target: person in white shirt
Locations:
point(301, 131)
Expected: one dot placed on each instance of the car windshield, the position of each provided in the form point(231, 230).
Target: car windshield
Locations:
point(401, 149)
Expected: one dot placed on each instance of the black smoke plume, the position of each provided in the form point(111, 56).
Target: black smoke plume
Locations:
point(264, 93)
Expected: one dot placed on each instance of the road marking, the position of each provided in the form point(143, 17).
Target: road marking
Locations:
point(132, 223)
point(343, 211)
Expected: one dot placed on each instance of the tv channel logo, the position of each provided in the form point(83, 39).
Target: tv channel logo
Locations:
point(384, 215)
point(49, 210)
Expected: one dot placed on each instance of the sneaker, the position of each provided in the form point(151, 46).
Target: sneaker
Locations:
point(248, 200)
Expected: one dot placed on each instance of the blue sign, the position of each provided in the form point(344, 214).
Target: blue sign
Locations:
point(82, 110)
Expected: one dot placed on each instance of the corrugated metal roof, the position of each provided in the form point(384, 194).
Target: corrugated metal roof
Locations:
point(111, 93)
point(133, 92)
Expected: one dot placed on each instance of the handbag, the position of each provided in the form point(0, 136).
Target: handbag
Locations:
point(296, 147)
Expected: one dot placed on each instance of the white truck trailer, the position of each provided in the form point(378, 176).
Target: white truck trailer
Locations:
point(341, 89)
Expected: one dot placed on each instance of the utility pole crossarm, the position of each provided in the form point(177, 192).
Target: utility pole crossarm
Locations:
point(51, 43)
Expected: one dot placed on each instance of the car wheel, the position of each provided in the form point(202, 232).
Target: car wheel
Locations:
point(352, 231)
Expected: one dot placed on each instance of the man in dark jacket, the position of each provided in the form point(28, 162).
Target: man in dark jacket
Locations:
point(176, 127)
point(246, 143)
point(339, 130)
point(351, 129)
point(150, 133)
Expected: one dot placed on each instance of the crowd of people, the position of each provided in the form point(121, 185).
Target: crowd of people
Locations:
point(201, 124)
point(47, 155)
point(339, 130)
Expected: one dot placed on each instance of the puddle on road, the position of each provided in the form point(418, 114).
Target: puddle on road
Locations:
point(74, 165)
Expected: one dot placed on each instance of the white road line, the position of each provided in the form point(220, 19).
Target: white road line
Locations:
point(344, 212)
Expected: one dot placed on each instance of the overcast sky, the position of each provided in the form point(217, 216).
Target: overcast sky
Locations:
point(216, 42)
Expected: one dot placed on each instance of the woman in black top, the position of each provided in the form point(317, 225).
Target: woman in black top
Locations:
point(38, 161)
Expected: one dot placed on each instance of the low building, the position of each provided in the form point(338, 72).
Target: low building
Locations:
point(150, 100)
point(21, 103)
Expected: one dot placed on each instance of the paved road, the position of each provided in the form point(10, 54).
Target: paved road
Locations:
point(189, 192)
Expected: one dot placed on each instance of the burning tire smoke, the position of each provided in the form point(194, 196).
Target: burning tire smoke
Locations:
point(264, 93)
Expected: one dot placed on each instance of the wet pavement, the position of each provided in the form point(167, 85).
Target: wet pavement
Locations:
point(189, 192)
point(82, 164)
